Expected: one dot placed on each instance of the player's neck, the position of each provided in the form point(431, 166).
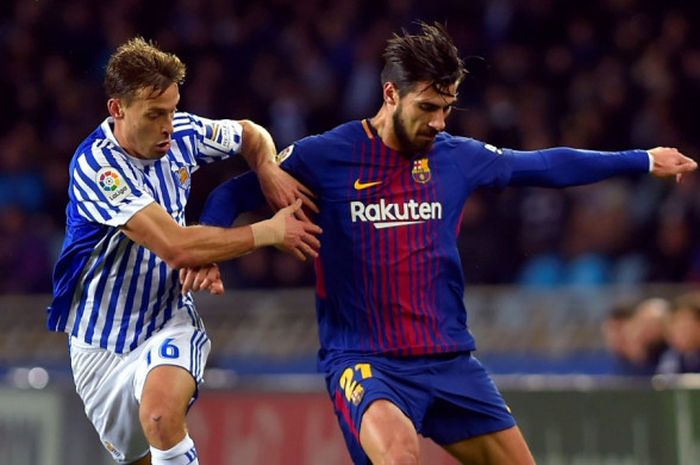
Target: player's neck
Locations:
point(118, 132)
point(384, 125)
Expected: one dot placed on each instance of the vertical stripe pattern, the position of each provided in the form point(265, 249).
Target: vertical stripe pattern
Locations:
point(397, 268)
point(109, 291)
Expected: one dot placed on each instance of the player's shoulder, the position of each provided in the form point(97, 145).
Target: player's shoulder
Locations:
point(340, 136)
point(465, 145)
point(186, 123)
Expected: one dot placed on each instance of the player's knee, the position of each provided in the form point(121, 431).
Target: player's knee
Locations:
point(398, 456)
point(402, 453)
point(162, 426)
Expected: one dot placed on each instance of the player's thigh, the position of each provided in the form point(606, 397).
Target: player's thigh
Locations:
point(168, 388)
point(104, 383)
point(171, 369)
point(507, 447)
point(385, 429)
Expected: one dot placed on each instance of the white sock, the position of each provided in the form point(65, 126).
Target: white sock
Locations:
point(182, 453)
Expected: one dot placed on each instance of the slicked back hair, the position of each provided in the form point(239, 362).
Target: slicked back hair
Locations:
point(137, 65)
point(429, 56)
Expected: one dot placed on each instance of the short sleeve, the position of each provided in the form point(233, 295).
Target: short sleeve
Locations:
point(215, 139)
point(105, 188)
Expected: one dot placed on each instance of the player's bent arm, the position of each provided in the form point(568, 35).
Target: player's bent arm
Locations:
point(189, 246)
point(279, 187)
point(258, 148)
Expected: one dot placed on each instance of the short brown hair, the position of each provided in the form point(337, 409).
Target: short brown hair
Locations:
point(430, 56)
point(137, 65)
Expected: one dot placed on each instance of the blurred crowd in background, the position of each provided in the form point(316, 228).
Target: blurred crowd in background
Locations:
point(655, 336)
point(603, 74)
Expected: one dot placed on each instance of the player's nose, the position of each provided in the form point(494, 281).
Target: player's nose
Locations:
point(168, 127)
point(437, 122)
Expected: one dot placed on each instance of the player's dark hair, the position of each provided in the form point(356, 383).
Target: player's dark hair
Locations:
point(137, 65)
point(430, 56)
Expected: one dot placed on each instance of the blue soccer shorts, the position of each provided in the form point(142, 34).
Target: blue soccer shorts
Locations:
point(448, 397)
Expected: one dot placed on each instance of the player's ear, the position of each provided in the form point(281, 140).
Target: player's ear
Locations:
point(391, 93)
point(114, 106)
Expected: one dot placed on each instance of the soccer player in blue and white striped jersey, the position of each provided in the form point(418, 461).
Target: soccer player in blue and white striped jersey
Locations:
point(138, 347)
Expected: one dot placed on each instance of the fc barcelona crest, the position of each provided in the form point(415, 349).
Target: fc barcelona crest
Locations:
point(421, 171)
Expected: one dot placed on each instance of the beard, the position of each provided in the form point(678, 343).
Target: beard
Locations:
point(409, 146)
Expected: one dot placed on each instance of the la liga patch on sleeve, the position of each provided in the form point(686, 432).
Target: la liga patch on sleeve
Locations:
point(113, 185)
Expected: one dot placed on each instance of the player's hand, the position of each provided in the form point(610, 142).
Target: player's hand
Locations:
point(669, 161)
point(281, 190)
point(299, 237)
point(202, 278)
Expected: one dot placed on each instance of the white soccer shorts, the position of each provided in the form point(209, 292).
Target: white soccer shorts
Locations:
point(110, 384)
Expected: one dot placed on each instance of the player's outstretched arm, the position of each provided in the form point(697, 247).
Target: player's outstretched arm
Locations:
point(563, 166)
point(668, 162)
point(194, 246)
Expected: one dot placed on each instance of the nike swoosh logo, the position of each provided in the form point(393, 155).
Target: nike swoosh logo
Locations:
point(364, 185)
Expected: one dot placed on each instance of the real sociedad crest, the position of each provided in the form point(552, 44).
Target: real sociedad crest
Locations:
point(183, 175)
point(421, 171)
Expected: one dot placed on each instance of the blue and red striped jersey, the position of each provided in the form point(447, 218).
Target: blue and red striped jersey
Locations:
point(389, 277)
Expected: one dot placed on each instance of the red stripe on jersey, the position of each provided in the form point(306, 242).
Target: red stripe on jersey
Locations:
point(375, 307)
point(428, 272)
point(342, 408)
point(459, 222)
point(401, 288)
point(420, 278)
point(383, 289)
point(410, 295)
point(369, 308)
point(320, 279)
point(434, 233)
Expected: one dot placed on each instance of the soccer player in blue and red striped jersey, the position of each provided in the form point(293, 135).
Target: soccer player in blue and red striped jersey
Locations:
point(395, 346)
point(137, 344)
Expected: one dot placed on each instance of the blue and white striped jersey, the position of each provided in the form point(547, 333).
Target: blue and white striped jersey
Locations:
point(109, 291)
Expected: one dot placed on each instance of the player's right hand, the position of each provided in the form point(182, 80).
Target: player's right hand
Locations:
point(299, 237)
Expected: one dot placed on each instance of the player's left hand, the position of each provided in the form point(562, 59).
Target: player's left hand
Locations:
point(281, 190)
point(202, 278)
point(668, 161)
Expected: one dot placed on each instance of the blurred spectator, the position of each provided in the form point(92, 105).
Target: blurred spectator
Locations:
point(635, 336)
point(615, 335)
point(646, 335)
point(683, 335)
